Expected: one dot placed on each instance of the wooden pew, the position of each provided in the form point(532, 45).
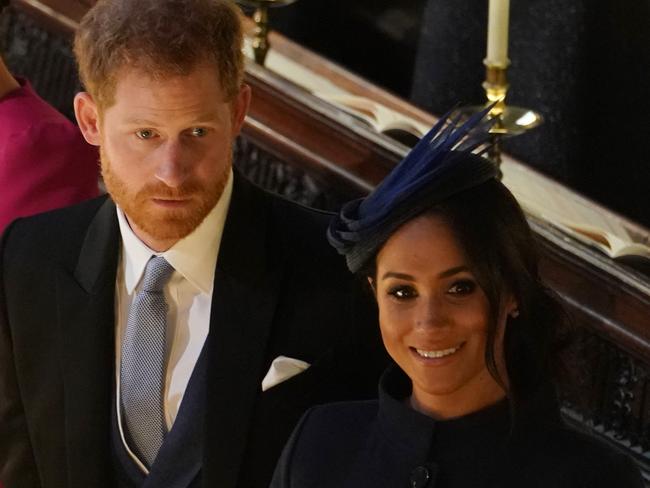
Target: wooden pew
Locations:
point(304, 148)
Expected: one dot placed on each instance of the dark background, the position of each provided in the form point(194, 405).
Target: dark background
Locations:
point(584, 64)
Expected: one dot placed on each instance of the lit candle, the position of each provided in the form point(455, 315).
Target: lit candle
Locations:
point(497, 43)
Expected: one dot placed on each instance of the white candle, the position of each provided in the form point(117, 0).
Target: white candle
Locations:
point(497, 43)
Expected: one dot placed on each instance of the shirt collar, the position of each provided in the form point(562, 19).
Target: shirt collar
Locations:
point(194, 256)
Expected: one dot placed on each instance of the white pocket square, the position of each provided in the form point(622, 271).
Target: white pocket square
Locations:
point(282, 368)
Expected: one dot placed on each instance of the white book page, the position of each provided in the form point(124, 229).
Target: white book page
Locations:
point(379, 116)
point(550, 201)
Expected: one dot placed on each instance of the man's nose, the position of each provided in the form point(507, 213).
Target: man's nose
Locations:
point(173, 168)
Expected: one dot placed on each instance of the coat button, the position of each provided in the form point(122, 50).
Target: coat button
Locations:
point(420, 477)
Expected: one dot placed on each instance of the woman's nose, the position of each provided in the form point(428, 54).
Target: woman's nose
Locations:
point(173, 168)
point(431, 313)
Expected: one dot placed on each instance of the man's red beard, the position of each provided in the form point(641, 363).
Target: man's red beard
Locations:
point(164, 223)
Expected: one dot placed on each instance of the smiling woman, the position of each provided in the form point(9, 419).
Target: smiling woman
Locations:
point(434, 319)
point(474, 335)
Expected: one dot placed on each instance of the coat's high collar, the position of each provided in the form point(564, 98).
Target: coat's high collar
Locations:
point(491, 426)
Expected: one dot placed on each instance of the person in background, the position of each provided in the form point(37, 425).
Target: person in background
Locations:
point(171, 333)
point(45, 163)
point(469, 401)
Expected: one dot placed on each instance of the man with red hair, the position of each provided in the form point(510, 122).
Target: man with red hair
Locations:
point(170, 334)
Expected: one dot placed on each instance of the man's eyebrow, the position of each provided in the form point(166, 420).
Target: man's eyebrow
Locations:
point(205, 117)
point(445, 274)
point(200, 119)
point(140, 121)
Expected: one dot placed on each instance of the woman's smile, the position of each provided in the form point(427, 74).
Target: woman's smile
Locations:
point(437, 353)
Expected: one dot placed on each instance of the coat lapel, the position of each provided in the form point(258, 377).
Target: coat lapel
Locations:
point(247, 281)
point(86, 317)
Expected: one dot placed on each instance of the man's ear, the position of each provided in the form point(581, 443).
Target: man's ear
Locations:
point(240, 108)
point(87, 114)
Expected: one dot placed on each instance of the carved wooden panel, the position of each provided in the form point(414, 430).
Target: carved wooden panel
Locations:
point(42, 56)
point(293, 182)
point(610, 395)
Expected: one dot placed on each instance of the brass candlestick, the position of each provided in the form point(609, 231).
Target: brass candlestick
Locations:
point(261, 18)
point(511, 121)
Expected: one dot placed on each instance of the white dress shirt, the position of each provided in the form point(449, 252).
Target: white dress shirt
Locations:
point(188, 294)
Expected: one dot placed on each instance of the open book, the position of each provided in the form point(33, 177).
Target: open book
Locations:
point(578, 217)
point(379, 117)
point(624, 251)
point(383, 119)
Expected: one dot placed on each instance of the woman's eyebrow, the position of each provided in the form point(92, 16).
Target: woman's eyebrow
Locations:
point(445, 274)
point(453, 271)
point(401, 276)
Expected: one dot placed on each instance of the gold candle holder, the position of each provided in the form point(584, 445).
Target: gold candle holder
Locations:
point(510, 121)
point(496, 89)
point(261, 18)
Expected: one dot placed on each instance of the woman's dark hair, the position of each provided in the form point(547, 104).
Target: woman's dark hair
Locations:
point(492, 230)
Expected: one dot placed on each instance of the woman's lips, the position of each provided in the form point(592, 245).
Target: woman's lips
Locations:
point(437, 353)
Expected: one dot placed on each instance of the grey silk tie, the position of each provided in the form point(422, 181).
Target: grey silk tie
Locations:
point(142, 365)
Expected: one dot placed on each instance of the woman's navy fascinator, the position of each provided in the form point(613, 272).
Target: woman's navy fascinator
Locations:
point(446, 161)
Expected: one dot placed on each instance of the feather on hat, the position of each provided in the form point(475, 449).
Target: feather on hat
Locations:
point(446, 161)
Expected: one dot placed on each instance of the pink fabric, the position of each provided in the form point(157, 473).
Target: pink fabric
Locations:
point(45, 163)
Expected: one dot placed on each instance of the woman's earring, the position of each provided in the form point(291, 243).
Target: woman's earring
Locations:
point(515, 313)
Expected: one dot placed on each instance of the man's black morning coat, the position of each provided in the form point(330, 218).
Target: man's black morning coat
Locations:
point(279, 290)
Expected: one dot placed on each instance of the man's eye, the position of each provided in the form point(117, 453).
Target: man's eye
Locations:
point(144, 134)
point(402, 292)
point(464, 287)
point(199, 131)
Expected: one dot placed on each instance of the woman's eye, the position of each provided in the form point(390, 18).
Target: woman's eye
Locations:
point(144, 134)
point(199, 131)
point(464, 287)
point(402, 292)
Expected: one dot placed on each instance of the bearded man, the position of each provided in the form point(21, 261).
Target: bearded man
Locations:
point(145, 336)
